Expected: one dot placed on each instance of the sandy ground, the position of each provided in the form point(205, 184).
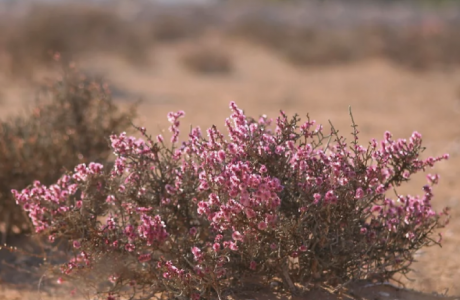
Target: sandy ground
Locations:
point(382, 96)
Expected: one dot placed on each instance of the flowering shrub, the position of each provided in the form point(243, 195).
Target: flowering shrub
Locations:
point(69, 125)
point(192, 218)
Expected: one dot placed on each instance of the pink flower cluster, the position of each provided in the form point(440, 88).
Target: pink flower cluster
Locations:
point(44, 204)
point(197, 213)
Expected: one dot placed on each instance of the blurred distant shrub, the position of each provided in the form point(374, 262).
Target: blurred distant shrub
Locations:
point(304, 46)
point(170, 28)
point(422, 45)
point(72, 30)
point(68, 126)
point(208, 59)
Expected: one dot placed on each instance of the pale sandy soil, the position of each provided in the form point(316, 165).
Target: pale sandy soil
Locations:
point(383, 97)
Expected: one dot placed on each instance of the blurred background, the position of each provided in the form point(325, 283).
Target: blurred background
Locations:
point(396, 63)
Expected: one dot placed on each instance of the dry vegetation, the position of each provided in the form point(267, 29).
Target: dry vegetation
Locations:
point(72, 30)
point(208, 59)
point(69, 125)
point(418, 46)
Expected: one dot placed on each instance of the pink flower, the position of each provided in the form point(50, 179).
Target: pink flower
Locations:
point(330, 197)
point(317, 198)
point(263, 169)
point(110, 199)
point(113, 278)
point(129, 247)
point(359, 193)
point(95, 168)
point(433, 179)
point(376, 208)
point(250, 213)
point(193, 231)
point(387, 135)
point(253, 265)
point(232, 246)
point(262, 225)
point(76, 244)
point(221, 155)
point(237, 236)
point(196, 252)
point(380, 189)
point(410, 235)
point(143, 258)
